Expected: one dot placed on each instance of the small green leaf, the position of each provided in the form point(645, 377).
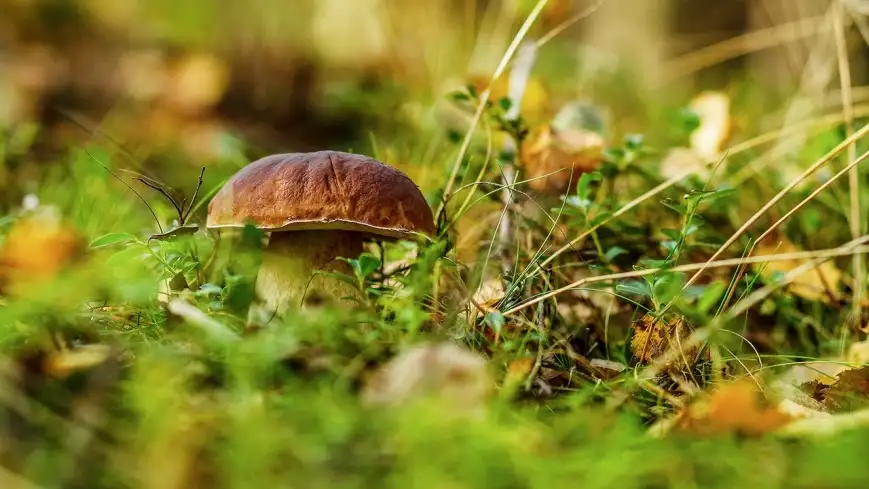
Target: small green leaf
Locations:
point(634, 142)
point(598, 219)
point(634, 287)
point(613, 252)
point(673, 234)
point(459, 96)
point(495, 320)
point(668, 286)
point(111, 239)
point(368, 263)
point(710, 296)
point(583, 187)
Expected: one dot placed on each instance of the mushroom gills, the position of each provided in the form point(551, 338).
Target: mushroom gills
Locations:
point(290, 260)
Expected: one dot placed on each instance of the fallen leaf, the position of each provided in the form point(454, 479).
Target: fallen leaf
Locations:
point(713, 110)
point(734, 407)
point(653, 337)
point(850, 392)
point(37, 248)
point(811, 285)
point(443, 371)
point(607, 368)
point(555, 160)
point(490, 292)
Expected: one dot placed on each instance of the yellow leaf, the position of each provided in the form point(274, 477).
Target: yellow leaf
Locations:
point(811, 285)
point(37, 248)
point(734, 407)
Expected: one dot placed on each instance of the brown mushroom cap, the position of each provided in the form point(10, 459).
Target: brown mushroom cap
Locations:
point(320, 191)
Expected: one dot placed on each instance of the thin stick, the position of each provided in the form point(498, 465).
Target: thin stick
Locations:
point(568, 23)
point(854, 175)
point(156, 219)
point(165, 194)
point(193, 199)
point(731, 262)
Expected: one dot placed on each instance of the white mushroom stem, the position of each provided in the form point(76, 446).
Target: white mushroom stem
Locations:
point(290, 259)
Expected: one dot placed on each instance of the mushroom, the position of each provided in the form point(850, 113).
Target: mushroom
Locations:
point(317, 207)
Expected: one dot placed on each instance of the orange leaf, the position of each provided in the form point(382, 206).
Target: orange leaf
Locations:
point(735, 407)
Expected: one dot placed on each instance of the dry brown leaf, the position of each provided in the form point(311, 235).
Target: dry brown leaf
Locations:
point(713, 110)
point(734, 407)
point(607, 369)
point(37, 248)
point(546, 151)
point(850, 392)
point(653, 337)
point(490, 292)
point(444, 371)
point(813, 284)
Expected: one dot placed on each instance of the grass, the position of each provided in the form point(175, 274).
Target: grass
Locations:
point(606, 316)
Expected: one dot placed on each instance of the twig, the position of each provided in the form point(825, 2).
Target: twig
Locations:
point(156, 219)
point(196, 317)
point(164, 193)
point(193, 199)
point(856, 220)
point(799, 255)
